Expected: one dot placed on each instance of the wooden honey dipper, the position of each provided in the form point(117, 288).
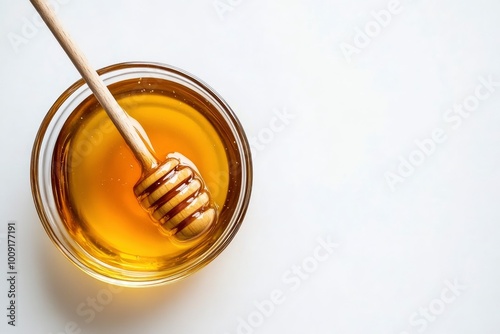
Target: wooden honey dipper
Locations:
point(173, 192)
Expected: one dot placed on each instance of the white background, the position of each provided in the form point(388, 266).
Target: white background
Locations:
point(353, 118)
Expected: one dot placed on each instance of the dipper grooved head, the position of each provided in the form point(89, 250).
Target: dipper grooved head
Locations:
point(175, 196)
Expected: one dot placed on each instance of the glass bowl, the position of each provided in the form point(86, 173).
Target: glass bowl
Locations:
point(57, 160)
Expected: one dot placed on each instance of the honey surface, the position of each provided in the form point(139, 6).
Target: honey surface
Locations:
point(99, 173)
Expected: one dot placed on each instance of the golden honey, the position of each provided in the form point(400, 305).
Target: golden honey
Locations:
point(94, 174)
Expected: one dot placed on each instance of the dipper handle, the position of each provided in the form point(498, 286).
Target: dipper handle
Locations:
point(134, 136)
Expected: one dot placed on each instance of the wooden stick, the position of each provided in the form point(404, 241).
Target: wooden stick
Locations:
point(135, 139)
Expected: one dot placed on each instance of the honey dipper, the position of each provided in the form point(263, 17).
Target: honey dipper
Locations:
point(173, 192)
